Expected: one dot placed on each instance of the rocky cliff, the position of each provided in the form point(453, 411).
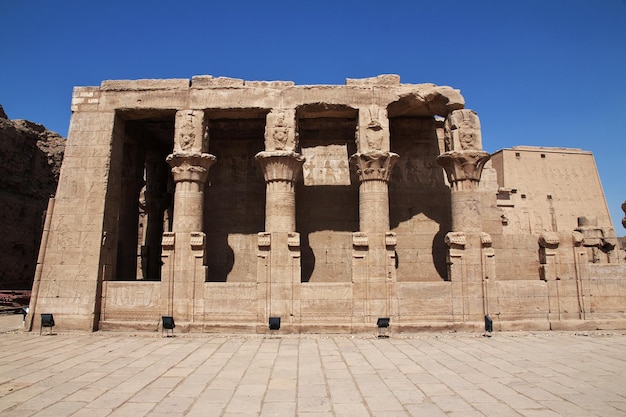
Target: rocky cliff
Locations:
point(30, 161)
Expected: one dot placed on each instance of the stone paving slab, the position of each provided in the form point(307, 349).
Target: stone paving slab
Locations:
point(510, 374)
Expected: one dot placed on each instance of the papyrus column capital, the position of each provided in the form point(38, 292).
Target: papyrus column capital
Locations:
point(463, 168)
point(192, 167)
point(374, 165)
point(280, 165)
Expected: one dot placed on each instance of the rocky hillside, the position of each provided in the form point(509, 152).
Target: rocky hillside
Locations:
point(30, 161)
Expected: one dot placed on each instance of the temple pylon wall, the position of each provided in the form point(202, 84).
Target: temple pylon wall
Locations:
point(224, 202)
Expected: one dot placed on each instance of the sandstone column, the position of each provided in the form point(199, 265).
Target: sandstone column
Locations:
point(374, 170)
point(463, 162)
point(374, 245)
point(182, 275)
point(279, 245)
point(280, 169)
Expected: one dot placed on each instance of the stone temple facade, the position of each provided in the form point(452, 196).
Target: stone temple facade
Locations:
point(224, 202)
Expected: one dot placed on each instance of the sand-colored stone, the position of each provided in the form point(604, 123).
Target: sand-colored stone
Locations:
point(225, 202)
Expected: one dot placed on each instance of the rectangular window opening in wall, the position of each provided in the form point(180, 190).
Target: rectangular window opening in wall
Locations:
point(517, 155)
point(543, 155)
point(549, 196)
point(523, 195)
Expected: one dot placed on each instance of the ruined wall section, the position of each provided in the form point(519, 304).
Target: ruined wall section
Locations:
point(31, 159)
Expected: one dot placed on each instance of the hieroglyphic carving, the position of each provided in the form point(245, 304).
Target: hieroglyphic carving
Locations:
point(326, 165)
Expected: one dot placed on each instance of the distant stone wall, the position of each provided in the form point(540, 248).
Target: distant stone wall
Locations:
point(30, 161)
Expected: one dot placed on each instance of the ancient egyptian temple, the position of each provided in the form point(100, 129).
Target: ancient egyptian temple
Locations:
point(222, 202)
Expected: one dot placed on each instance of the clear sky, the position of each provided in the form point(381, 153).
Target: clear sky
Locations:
point(538, 72)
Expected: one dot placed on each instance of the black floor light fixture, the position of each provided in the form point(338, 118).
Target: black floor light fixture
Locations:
point(274, 323)
point(168, 325)
point(488, 325)
point(383, 323)
point(47, 320)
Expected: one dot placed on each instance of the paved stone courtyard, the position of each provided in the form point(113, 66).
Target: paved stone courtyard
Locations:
point(112, 374)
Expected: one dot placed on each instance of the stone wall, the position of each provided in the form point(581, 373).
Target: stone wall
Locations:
point(225, 202)
point(30, 163)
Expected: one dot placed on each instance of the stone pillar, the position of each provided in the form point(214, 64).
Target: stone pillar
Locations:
point(190, 168)
point(463, 162)
point(278, 272)
point(374, 170)
point(374, 245)
point(280, 169)
point(157, 201)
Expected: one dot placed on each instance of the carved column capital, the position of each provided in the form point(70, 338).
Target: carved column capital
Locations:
point(192, 167)
point(463, 168)
point(374, 165)
point(280, 165)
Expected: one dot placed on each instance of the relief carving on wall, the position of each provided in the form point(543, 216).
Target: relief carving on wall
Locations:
point(280, 130)
point(326, 165)
point(373, 131)
point(191, 131)
point(462, 130)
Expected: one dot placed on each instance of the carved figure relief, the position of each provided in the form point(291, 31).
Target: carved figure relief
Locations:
point(280, 130)
point(326, 165)
point(191, 131)
point(462, 130)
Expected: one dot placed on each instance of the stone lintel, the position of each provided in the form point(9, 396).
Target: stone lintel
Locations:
point(391, 80)
point(146, 84)
point(374, 165)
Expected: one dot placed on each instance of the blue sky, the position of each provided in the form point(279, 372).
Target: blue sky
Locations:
point(545, 73)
